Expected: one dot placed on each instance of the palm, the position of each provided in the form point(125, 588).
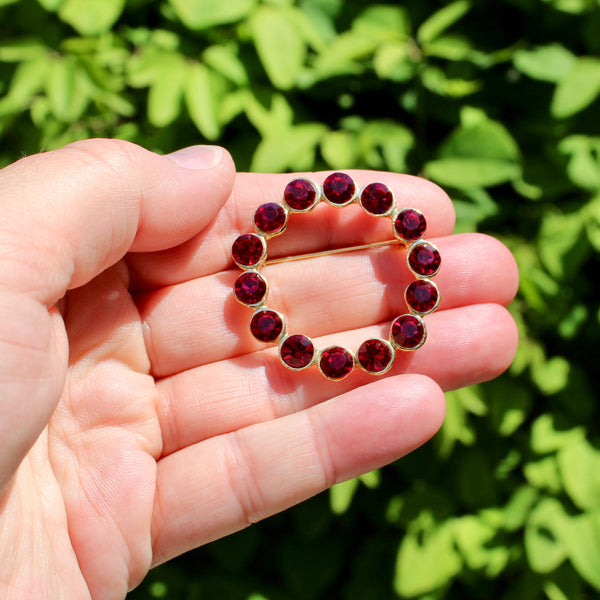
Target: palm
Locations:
point(97, 458)
point(175, 427)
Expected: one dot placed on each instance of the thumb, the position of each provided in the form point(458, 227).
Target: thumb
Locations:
point(73, 212)
point(66, 216)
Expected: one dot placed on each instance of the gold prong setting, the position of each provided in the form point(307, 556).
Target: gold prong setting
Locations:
point(297, 352)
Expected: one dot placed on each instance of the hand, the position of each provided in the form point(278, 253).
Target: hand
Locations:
point(138, 416)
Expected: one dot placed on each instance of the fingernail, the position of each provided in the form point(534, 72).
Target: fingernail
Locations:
point(197, 157)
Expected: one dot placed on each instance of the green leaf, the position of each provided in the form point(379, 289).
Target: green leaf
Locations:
point(573, 6)
point(28, 80)
point(91, 17)
point(319, 15)
point(393, 61)
point(582, 539)
point(472, 206)
point(147, 65)
point(561, 242)
point(577, 89)
point(202, 14)
point(341, 494)
point(592, 228)
point(470, 398)
point(470, 173)
point(545, 63)
point(21, 50)
point(281, 49)
point(371, 479)
point(164, 97)
point(291, 149)
point(509, 405)
point(426, 561)
point(40, 111)
point(456, 427)
point(579, 466)
point(268, 120)
point(392, 140)
point(474, 537)
point(571, 324)
point(159, 589)
point(441, 20)
point(341, 56)
point(339, 149)
point(449, 47)
point(314, 36)
point(547, 437)
point(232, 105)
point(516, 510)
point(554, 592)
point(117, 104)
point(552, 375)
point(543, 474)
point(544, 545)
point(437, 81)
point(224, 59)
point(507, 465)
point(51, 5)
point(384, 21)
point(475, 155)
point(203, 94)
point(67, 90)
point(584, 160)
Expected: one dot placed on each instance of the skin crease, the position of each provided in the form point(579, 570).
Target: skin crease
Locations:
point(138, 416)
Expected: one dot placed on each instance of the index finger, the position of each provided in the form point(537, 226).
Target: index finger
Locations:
point(323, 228)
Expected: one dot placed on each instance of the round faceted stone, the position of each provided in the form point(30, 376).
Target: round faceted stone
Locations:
point(248, 250)
point(424, 259)
point(375, 356)
point(410, 224)
point(270, 218)
point(266, 325)
point(422, 296)
point(377, 199)
point(297, 351)
point(408, 332)
point(300, 195)
point(336, 362)
point(339, 189)
point(250, 288)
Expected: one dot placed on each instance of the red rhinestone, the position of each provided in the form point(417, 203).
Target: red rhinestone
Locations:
point(336, 362)
point(375, 356)
point(339, 188)
point(250, 288)
point(270, 218)
point(408, 332)
point(422, 296)
point(297, 351)
point(410, 224)
point(248, 250)
point(300, 194)
point(424, 259)
point(266, 325)
point(377, 199)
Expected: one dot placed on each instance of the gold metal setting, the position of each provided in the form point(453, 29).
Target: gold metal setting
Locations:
point(387, 349)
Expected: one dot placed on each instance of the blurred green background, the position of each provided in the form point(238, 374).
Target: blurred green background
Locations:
point(498, 102)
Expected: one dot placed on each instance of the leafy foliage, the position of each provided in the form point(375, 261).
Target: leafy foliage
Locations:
point(496, 101)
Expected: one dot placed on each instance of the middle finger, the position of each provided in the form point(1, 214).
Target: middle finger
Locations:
point(198, 322)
